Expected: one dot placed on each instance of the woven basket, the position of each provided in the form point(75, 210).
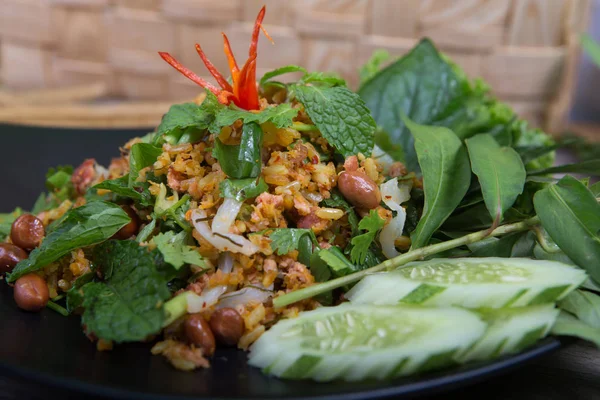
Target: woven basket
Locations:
point(526, 50)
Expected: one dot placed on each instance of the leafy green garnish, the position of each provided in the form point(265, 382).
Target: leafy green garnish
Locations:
point(371, 223)
point(500, 171)
point(570, 214)
point(284, 240)
point(280, 71)
point(591, 167)
point(127, 305)
point(446, 176)
point(243, 160)
point(142, 155)
point(337, 261)
point(75, 294)
point(176, 252)
point(6, 221)
point(373, 65)
point(243, 189)
point(173, 207)
point(120, 186)
point(83, 226)
point(322, 79)
point(341, 116)
point(280, 115)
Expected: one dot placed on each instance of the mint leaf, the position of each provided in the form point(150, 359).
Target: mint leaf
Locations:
point(120, 186)
point(142, 155)
point(243, 189)
point(83, 226)
point(243, 160)
point(284, 240)
point(281, 116)
point(6, 221)
point(323, 79)
point(371, 223)
point(75, 294)
point(337, 261)
point(280, 71)
point(341, 116)
point(176, 252)
point(127, 306)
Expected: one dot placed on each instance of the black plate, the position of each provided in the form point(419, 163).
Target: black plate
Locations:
point(50, 348)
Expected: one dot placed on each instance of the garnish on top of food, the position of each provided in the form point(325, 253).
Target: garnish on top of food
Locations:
point(411, 225)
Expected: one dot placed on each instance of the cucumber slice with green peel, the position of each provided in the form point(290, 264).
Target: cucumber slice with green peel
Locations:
point(470, 282)
point(355, 342)
point(511, 330)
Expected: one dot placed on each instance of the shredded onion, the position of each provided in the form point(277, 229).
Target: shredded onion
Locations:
point(244, 296)
point(393, 196)
point(208, 298)
point(225, 216)
point(226, 262)
point(222, 241)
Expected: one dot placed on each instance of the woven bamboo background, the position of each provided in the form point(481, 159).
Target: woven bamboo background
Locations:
point(525, 49)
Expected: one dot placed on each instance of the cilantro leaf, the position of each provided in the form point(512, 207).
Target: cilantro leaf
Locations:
point(127, 305)
point(337, 201)
point(281, 116)
point(175, 251)
point(341, 116)
point(243, 160)
point(284, 240)
point(120, 186)
point(242, 189)
point(337, 262)
point(6, 221)
point(83, 226)
point(280, 71)
point(142, 155)
point(371, 223)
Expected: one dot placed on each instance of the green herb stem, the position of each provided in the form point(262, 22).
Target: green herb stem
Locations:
point(175, 308)
point(402, 259)
point(302, 127)
point(59, 309)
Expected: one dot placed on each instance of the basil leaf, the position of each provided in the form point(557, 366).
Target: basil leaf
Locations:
point(142, 155)
point(243, 160)
point(446, 176)
point(341, 116)
point(127, 306)
point(570, 214)
point(585, 167)
point(280, 71)
point(281, 116)
point(585, 305)
point(243, 189)
point(83, 226)
point(120, 186)
point(500, 172)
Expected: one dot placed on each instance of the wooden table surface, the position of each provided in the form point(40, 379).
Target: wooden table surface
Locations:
point(571, 373)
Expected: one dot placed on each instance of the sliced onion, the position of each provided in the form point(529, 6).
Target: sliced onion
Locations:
point(382, 158)
point(222, 241)
point(226, 262)
point(208, 298)
point(226, 215)
point(393, 196)
point(244, 296)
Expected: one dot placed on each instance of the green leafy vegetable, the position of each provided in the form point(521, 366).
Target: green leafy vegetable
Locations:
point(83, 226)
point(446, 176)
point(127, 305)
point(373, 65)
point(328, 79)
point(176, 252)
point(341, 116)
point(120, 186)
point(585, 305)
point(75, 294)
point(585, 167)
point(280, 71)
point(337, 261)
point(281, 116)
point(284, 240)
point(243, 160)
point(372, 224)
point(142, 155)
point(500, 171)
point(570, 214)
point(243, 189)
point(568, 325)
point(6, 221)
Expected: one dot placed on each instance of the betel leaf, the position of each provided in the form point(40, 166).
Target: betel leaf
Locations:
point(585, 167)
point(341, 116)
point(243, 189)
point(280, 71)
point(570, 214)
point(127, 305)
point(242, 160)
point(568, 325)
point(6, 221)
point(142, 155)
point(585, 305)
point(372, 224)
point(120, 186)
point(281, 116)
point(446, 176)
point(284, 240)
point(176, 251)
point(83, 226)
point(500, 171)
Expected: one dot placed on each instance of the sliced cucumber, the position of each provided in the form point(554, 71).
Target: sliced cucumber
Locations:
point(470, 282)
point(511, 330)
point(354, 342)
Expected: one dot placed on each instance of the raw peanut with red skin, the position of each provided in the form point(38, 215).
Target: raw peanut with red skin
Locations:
point(27, 232)
point(10, 255)
point(84, 175)
point(31, 292)
point(131, 228)
point(359, 189)
point(197, 331)
point(227, 326)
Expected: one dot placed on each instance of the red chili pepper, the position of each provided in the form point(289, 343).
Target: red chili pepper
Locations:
point(243, 92)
